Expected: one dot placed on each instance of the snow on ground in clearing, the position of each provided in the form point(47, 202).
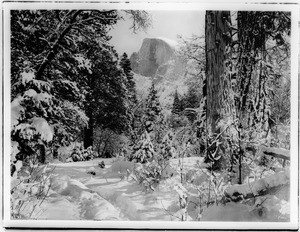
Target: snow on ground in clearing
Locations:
point(109, 195)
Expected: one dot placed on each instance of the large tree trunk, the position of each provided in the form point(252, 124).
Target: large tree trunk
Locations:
point(220, 108)
point(253, 75)
point(217, 36)
point(89, 131)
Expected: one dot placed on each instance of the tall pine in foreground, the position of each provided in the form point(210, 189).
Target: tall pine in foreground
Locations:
point(106, 100)
point(132, 101)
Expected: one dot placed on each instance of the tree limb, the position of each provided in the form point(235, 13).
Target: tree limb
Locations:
point(54, 50)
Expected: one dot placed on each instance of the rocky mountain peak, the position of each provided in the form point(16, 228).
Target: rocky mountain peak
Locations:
point(157, 61)
point(153, 56)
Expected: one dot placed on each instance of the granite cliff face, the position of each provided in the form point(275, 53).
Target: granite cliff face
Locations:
point(156, 58)
point(157, 61)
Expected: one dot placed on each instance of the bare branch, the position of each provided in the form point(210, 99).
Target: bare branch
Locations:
point(141, 20)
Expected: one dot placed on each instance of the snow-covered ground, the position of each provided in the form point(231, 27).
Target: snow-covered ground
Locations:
point(111, 193)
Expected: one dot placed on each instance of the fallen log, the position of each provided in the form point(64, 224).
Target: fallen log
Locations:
point(275, 152)
point(263, 186)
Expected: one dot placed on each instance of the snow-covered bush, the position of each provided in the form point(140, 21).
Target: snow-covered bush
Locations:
point(183, 201)
point(40, 120)
point(204, 189)
point(268, 208)
point(64, 152)
point(148, 174)
point(154, 164)
point(29, 188)
point(81, 154)
point(184, 136)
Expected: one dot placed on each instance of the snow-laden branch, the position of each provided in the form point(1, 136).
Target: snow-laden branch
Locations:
point(54, 50)
point(263, 186)
point(275, 152)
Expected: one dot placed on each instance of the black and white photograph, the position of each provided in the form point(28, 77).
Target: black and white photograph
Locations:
point(160, 113)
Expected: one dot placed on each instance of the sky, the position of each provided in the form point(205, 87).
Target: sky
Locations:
point(166, 24)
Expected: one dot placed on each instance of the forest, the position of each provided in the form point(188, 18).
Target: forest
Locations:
point(91, 141)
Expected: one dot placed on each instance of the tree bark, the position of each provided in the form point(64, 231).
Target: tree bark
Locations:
point(216, 35)
point(88, 132)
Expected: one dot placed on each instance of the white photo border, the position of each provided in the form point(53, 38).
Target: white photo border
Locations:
point(167, 6)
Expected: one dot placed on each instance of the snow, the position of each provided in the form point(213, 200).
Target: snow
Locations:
point(27, 77)
point(111, 194)
point(75, 194)
point(42, 127)
point(16, 110)
point(14, 150)
point(255, 188)
point(30, 93)
point(38, 97)
point(84, 63)
point(45, 97)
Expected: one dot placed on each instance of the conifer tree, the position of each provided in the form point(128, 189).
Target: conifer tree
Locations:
point(167, 150)
point(153, 114)
point(126, 66)
point(176, 104)
point(143, 151)
point(153, 120)
point(106, 101)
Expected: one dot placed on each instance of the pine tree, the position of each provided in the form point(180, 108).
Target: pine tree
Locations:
point(153, 114)
point(177, 106)
point(54, 48)
point(126, 66)
point(143, 151)
point(167, 149)
point(106, 101)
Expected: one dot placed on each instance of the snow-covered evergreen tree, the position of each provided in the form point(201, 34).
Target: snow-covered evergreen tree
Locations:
point(46, 70)
point(153, 112)
point(107, 100)
point(143, 151)
point(176, 109)
point(153, 119)
point(166, 148)
point(130, 84)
